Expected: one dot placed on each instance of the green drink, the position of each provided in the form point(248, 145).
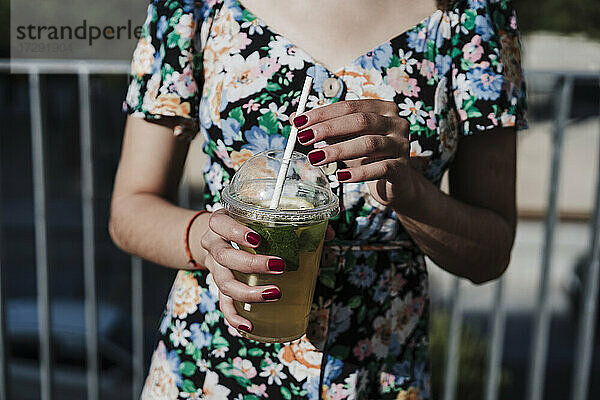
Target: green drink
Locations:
point(294, 232)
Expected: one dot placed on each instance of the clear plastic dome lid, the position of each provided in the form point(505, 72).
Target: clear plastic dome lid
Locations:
point(306, 194)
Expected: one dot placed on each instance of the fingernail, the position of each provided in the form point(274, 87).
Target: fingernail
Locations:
point(244, 328)
point(316, 156)
point(300, 120)
point(344, 175)
point(275, 264)
point(271, 294)
point(306, 136)
point(252, 238)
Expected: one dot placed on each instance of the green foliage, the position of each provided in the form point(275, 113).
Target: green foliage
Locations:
point(268, 122)
point(280, 241)
point(340, 351)
point(238, 115)
point(567, 16)
point(327, 276)
point(472, 359)
point(187, 368)
point(395, 61)
point(188, 386)
point(285, 131)
point(285, 392)
point(354, 302)
point(255, 352)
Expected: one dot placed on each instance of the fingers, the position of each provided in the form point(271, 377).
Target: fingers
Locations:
point(372, 146)
point(348, 125)
point(217, 242)
point(242, 261)
point(231, 314)
point(222, 258)
point(385, 169)
point(229, 229)
point(317, 115)
point(229, 286)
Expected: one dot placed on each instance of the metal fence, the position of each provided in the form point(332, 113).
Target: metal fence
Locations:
point(539, 342)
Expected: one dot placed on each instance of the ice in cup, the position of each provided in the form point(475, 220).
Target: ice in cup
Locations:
point(294, 232)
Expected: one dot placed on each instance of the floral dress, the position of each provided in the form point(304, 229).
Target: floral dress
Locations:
point(220, 70)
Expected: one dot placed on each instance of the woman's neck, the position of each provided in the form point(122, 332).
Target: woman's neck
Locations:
point(336, 32)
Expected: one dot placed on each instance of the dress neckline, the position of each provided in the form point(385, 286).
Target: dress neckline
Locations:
point(313, 60)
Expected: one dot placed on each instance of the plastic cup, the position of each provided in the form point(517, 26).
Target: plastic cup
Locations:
point(294, 232)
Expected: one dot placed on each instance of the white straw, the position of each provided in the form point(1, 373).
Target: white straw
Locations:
point(289, 148)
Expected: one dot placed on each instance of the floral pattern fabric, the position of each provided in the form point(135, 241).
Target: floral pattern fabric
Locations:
point(216, 68)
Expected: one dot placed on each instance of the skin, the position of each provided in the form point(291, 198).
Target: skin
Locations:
point(347, 24)
point(468, 232)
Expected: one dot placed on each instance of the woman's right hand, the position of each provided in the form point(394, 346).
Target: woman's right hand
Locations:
point(222, 259)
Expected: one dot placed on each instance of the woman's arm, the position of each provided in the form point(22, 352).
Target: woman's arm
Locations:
point(143, 219)
point(469, 233)
point(145, 222)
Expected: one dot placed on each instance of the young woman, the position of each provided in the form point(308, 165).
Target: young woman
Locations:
point(386, 118)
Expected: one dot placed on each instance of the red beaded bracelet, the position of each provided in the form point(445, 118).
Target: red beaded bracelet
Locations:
point(191, 260)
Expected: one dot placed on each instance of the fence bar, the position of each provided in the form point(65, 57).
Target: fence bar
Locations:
point(137, 322)
point(452, 356)
point(42, 66)
point(184, 192)
point(539, 343)
point(41, 245)
point(3, 355)
point(87, 204)
point(498, 323)
point(70, 66)
point(585, 337)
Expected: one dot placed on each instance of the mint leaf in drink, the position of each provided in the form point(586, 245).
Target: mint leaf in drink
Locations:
point(311, 237)
point(280, 241)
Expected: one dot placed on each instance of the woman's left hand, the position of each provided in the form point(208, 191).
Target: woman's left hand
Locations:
point(370, 137)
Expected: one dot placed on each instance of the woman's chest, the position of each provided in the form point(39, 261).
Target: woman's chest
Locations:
point(253, 77)
point(337, 32)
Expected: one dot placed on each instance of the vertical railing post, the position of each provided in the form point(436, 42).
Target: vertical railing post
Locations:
point(3, 353)
point(539, 342)
point(137, 322)
point(137, 325)
point(184, 191)
point(589, 300)
point(87, 210)
point(41, 245)
point(452, 355)
point(496, 343)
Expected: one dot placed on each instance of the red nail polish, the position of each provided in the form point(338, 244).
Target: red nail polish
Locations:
point(275, 264)
point(271, 294)
point(316, 156)
point(252, 238)
point(300, 120)
point(343, 175)
point(306, 136)
point(244, 328)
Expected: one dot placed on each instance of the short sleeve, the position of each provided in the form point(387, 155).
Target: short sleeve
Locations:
point(487, 79)
point(165, 68)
